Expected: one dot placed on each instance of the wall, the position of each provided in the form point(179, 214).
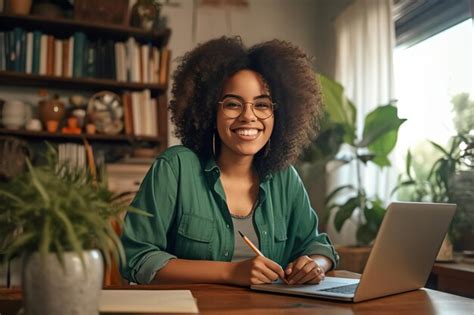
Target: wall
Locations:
point(306, 23)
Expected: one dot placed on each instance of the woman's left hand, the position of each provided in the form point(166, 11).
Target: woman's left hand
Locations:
point(304, 270)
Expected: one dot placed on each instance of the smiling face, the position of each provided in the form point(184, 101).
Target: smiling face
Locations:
point(246, 134)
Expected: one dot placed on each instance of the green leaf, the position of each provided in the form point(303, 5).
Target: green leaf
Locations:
point(381, 160)
point(45, 237)
point(381, 130)
point(345, 212)
point(336, 191)
point(339, 108)
point(367, 232)
point(408, 165)
point(21, 241)
point(71, 235)
point(440, 148)
point(403, 184)
point(36, 182)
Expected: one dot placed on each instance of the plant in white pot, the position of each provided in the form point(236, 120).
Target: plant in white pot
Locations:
point(57, 220)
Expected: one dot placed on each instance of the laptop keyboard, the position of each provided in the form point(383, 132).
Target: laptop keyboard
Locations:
point(345, 289)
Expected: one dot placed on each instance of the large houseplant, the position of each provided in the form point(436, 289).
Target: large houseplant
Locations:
point(57, 220)
point(378, 140)
point(338, 127)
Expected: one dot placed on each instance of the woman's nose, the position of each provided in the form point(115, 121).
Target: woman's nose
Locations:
point(247, 113)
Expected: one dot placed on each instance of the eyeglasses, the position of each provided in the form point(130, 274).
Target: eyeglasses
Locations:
point(233, 107)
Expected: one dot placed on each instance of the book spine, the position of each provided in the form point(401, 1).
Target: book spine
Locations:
point(50, 56)
point(3, 52)
point(36, 52)
point(58, 57)
point(29, 52)
point(17, 43)
point(79, 42)
point(65, 57)
point(43, 54)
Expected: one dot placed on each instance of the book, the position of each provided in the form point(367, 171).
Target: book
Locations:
point(78, 57)
point(29, 53)
point(147, 301)
point(164, 64)
point(35, 67)
point(58, 57)
point(50, 51)
point(43, 54)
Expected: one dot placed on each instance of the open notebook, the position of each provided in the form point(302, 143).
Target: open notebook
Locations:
point(147, 301)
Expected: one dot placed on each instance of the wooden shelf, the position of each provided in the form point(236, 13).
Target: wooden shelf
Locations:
point(43, 135)
point(92, 84)
point(67, 27)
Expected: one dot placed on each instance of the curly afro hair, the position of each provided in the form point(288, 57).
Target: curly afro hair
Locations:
point(199, 80)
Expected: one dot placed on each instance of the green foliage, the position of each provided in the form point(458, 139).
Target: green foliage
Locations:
point(378, 140)
point(449, 176)
point(58, 208)
point(438, 185)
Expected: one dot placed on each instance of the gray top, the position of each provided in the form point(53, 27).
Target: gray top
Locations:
point(245, 225)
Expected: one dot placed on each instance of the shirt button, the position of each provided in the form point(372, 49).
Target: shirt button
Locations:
point(227, 226)
point(226, 254)
point(264, 232)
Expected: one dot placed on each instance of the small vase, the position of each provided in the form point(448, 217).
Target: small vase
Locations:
point(51, 110)
point(49, 288)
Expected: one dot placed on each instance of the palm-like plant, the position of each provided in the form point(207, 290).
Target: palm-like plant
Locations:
point(57, 208)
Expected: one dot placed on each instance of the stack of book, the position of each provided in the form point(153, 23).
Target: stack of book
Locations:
point(140, 114)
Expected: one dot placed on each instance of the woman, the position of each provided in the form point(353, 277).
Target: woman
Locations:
point(243, 115)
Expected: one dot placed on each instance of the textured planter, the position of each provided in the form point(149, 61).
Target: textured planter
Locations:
point(353, 258)
point(48, 288)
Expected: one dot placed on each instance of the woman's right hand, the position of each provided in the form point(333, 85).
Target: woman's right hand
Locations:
point(257, 270)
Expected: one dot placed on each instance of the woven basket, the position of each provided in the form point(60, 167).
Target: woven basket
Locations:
point(104, 11)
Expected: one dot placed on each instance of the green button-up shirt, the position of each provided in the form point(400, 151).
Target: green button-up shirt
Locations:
point(191, 219)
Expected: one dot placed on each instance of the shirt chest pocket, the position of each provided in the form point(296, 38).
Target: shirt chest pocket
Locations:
point(279, 244)
point(194, 237)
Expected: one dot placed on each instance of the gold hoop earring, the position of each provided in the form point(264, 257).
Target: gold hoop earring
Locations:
point(267, 149)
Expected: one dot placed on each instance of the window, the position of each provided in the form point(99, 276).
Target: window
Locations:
point(427, 76)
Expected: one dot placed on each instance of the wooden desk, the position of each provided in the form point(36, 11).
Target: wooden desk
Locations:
point(222, 299)
point(456, 278)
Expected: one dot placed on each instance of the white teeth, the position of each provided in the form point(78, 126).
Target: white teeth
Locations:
point(247, 132)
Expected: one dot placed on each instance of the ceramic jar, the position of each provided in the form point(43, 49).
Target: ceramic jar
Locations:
point(51, 110)
point(14, 114)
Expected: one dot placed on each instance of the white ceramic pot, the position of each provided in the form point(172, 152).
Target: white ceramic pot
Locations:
point(48, 288)
point(14, 114)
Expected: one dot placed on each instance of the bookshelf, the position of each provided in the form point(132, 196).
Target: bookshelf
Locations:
point(63, 29)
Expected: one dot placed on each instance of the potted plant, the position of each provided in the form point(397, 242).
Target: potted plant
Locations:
point(446, 174)
point(57, 220)
point(378, 140)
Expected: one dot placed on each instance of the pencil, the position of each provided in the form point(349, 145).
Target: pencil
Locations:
point(256, 250)
point(250, 244)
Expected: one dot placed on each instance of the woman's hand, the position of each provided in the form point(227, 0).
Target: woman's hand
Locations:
point(304, 270)
point(257, 270)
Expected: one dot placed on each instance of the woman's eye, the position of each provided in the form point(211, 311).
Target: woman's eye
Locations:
point(232, 105)
point(262, 105)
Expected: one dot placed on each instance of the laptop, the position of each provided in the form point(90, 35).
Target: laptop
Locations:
point(400, 260)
